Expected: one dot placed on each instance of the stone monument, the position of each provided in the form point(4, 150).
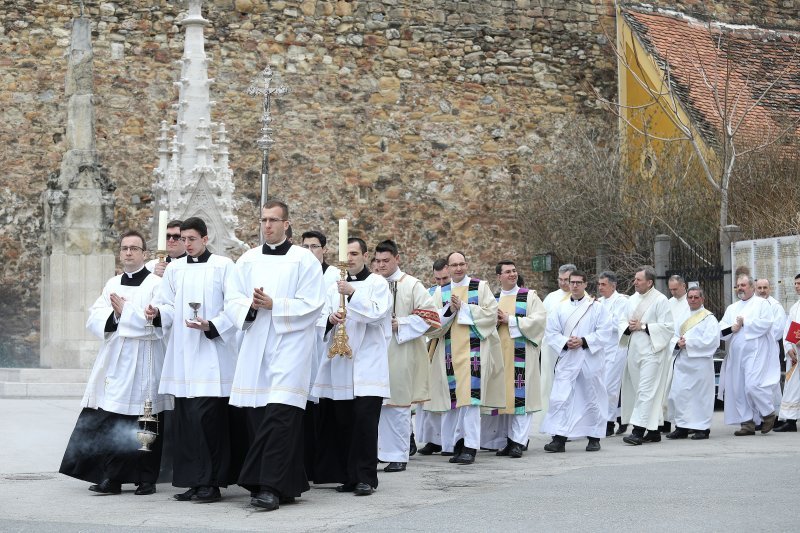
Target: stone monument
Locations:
point(193, 177)
point(79, 241)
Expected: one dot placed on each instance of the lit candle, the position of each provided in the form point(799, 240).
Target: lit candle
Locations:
point(342, 240)
point(162, 231)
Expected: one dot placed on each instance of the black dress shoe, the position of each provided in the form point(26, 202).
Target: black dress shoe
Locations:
point(286, 499)
point(346, 487)
point(145, 489)
point(185, 496)
point(363, 489)
point(466, 457)
point(429, 449)
point(555, 446)
point(504, 452)
point(516, 451)
point(207, 495)
point(666, 428)
point(652, 436)
point(679, 433)
point(594, 445)
point(609, 429)
point(395, 467)
point(412, 446)
point(622, 429)
point(786, 427)
point(107, 487)
point(448, 454)
point(701, 435)
point(265, 499)
point(633, 439)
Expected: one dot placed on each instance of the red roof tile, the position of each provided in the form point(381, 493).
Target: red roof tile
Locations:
point(755, 57)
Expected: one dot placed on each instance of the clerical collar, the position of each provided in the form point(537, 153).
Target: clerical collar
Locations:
point(202, 258)
point(324, 266)
point(510, 292)
point(170, 259)
point(276, 249)
point(361, 276)
point(463, 283)
point(571, 299)
point(396, 275)
point(134, 279)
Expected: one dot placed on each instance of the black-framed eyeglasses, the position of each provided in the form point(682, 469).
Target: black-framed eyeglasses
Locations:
point(173, 236)
point(133, 249)
point(270, 220)
point(311, 246)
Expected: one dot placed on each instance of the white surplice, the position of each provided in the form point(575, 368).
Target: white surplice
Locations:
point(121, 375)
point(790, 403)
point(548, 356)
point(778, 323)
point(577, 406)
point(645, 376)
point(196, 366)
point(616, 353)
point(748, 374)
point(276, 353)
point(691, 396)
point(369, 328)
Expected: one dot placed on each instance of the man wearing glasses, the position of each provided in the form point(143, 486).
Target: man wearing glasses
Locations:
point(551, 303)
point(175, 249)
point(199, 365)
point(316, 242)
point(691, 396)
point(275, 297)
point(467, 363)
point(103, 447)
point(579, 330)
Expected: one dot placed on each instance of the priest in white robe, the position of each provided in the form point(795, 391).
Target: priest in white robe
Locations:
point(520, 325)
point(352, 389)
point(647, 330)
point(790, 402)
point(413, 315)
point(199, 365)
point(580, 329)
point(549, 357)
point(317, 243)
point(427, 424)
point(467, 365)
point(748, 375)
point(763, 290)
point(275, 297)
point(679, 308)
point(103, 448)
point(691, 396)
point(616, 353)
point(175, 249)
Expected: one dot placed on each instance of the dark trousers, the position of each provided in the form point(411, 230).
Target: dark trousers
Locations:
point(201, 452)
point(103, 445)
point(274, 460)
point(348, 447)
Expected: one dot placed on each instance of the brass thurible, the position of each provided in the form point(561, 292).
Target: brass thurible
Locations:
point(340, 344)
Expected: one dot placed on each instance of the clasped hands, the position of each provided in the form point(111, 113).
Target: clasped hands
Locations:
point(738, 324)
point(574, 342)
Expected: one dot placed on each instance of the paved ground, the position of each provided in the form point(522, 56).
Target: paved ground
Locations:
point(726, 483)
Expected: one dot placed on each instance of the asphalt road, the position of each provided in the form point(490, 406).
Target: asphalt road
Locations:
point(725, 483)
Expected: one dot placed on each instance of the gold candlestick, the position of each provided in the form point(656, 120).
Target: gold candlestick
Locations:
point(340, 344)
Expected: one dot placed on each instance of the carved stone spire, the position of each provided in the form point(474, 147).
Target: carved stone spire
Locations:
point(193, 177)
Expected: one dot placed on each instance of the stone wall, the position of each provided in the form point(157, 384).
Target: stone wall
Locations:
point(414, 119)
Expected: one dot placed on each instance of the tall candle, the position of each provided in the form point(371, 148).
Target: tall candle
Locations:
point(342, 240)
point(162, 231)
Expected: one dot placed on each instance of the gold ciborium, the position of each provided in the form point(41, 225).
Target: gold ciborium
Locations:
point(340, 344)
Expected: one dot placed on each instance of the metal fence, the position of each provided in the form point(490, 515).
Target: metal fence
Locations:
point(701, 264)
